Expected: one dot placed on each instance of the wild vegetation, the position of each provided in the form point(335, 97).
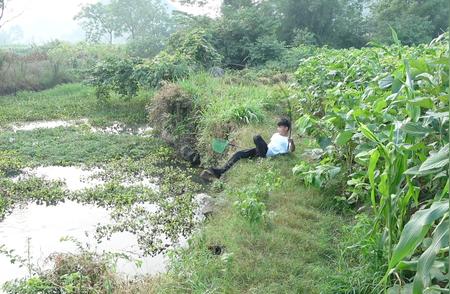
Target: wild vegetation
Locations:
point(361, 207)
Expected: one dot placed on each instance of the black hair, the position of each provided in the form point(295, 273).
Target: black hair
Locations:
point(284, 122)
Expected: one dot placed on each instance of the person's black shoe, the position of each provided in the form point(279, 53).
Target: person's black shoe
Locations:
point(217, 172)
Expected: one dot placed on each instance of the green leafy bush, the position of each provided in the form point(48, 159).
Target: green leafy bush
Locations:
point(115, 74)
point(164, 67)
point(196, 45)
point(251, 209)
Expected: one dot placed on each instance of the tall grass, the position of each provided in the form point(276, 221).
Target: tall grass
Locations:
point(42, 67)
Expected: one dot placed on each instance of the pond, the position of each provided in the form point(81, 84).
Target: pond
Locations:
point(36, 230)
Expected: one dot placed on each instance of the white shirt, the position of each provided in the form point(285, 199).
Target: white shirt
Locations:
point(278, 145)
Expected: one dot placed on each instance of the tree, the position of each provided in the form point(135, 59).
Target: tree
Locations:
point(142, 18)
point(2, 8)
point(98, 20)
point(243, 28)
point(339, 23)
point(415, 21)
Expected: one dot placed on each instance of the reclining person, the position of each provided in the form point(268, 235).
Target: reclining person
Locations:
point(280, 143)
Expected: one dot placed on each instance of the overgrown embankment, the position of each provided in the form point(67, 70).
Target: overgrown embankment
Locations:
point(268, 235)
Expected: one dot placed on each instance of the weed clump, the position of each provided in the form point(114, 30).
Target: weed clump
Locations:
point(172, 112)
point(81, 273)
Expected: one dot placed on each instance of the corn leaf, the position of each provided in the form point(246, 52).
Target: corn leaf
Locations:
point(436, 160)
point(415, 231)
point(440, 239)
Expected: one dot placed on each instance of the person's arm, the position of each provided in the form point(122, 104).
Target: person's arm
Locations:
point(291, 145)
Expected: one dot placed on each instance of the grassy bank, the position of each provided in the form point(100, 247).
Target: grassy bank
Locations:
point(292, 251)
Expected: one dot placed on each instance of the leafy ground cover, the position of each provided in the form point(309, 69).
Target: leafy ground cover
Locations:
point(71, 101)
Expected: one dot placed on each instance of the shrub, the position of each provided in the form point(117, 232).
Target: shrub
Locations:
point(196, 45)
point(43, 67)
point(115, 74)
point(266, 48)
point(164, 67)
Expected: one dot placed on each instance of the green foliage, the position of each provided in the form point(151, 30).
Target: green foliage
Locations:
point(382, 121)
point(303, 37)
point(188, 52)
point(164, 67)
point(251, 208)
point(415, 21)
point(195, 44)
point(142, 22)
point(250, 203)
point(240, 30)
point(43, 67)
point(85, 272)
point(28, 190)
point(114, 74)
point(69, 102)
point(328, 22)
point(266, 48)
point(97, 20)
point(66, 146)
point(9, 163)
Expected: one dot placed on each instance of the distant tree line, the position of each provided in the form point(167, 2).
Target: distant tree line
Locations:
point(252, 32)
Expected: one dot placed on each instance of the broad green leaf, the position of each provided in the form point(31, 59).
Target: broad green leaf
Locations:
point(409, 78)
point(324, 142)
point(424, 102)
point(386, 82)
point(415, 129)
point(396, 86)
point(380, 105)
point(304, 123)
point(394, 36)
point(383, 186)
point(426, 260)
point(414, 171)
point(415, 230)
point(436, 160)
point(343, 138)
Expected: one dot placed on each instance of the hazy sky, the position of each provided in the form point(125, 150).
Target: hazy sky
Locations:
point(46, 20)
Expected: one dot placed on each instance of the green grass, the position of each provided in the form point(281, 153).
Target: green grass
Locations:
point(71, 101)
point(294, 252)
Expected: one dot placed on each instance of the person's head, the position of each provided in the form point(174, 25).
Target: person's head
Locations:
point(284, 125)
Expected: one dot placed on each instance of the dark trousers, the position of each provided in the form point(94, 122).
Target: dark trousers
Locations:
point(260, 150)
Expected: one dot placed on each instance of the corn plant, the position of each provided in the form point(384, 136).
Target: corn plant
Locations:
point(380, 115)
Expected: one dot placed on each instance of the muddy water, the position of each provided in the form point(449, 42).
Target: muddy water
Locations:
point(51, 124)
point(117, 129)
point(113, 129)
point(78, 178)
point(38, 229)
